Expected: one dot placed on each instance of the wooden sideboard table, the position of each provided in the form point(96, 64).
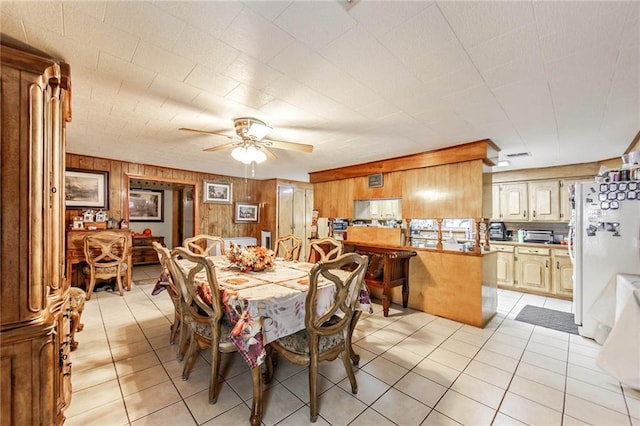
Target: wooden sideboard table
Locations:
point(75, 250)
point(388, 268)
point(143, 251)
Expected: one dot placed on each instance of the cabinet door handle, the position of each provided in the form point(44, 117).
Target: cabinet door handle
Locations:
point(557, 264)
point(524, 213)
point(546, 263)
point(534, 213)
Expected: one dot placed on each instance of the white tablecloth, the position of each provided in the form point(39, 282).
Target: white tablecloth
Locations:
point(620, 354)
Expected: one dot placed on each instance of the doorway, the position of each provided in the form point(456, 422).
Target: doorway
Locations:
point(180, 207)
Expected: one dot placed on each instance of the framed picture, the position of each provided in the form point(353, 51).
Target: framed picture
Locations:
point(376, 181)
point(247, 212)
point(217, 192)
point(86, 188)
point(146, 206)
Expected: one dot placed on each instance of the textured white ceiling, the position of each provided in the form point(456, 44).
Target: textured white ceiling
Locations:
point(361, 82)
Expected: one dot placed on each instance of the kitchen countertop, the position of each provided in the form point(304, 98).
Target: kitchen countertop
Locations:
point(515, 243)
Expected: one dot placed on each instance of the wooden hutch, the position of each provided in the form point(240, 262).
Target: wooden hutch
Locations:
point(35, 372)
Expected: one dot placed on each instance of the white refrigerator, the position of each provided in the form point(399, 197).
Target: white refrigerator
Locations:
point(604, 241)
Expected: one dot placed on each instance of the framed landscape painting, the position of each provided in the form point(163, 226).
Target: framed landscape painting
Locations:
point(146, 206)
point(247, 213)
point(217, 192)
point(86, 189)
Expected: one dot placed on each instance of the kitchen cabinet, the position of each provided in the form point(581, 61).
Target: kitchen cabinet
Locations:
point(35, 367)
point(505, 264)
point(533, 201)
point(378, 209)
point(562, 276)
point(514, 202)
point(565, 204)
point(533, 269)
point(495, 202)
point(544, 201)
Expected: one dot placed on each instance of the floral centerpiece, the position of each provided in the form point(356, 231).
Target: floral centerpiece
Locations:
point(252, 258)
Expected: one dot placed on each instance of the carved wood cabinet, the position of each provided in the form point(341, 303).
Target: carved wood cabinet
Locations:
point(143, 251)
point(35, 369)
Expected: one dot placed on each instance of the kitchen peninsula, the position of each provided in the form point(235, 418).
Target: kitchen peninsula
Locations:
point(447, 183)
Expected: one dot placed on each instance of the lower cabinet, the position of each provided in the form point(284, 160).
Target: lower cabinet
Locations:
point(562, 273)
point(505, 264)
point(532, 269)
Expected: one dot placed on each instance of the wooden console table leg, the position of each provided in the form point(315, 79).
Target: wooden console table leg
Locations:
point(405, 284)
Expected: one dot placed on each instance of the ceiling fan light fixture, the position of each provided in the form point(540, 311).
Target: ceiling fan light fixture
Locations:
point(248, 154)
point(258, 130)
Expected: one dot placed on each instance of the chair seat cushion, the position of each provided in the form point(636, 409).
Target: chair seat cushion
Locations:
point(299, 342)
point(204, 330)
point(107, 270)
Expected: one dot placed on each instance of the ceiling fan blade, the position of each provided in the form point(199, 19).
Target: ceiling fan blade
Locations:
point(291, 146)
point(270, 155)
point(204, 132)
point(219, 147)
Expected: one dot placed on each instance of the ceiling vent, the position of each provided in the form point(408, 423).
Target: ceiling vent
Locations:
point(519, 154)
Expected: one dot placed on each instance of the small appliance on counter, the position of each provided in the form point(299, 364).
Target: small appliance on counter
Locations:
point(339, 228)
point(498, 231)
point(541, 237)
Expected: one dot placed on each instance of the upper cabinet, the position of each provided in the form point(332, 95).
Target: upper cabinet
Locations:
point(514, 202)
point(534, 201)
point(565, 203)
point(378, 209)
point(528, 201)
point(544, 201)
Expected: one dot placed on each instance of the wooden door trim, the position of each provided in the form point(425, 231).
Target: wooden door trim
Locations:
point(196, 195)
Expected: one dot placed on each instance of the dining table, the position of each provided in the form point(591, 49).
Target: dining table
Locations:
point(266, 305)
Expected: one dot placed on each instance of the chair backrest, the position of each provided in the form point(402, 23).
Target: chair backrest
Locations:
point(288, 247)
point(105, 249)
point(205, 244)
point(164, 255)
point(195, 275)
point(347, 274)
point(324, 249)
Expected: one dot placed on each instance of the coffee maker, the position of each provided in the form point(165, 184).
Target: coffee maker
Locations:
point(497, 231)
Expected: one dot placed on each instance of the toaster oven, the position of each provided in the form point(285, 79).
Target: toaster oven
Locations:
point(544, 237)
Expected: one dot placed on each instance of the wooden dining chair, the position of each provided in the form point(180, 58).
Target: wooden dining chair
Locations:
point(105, 253)
point(327, 334)
point(208, 325)
point(324, 249)
point(288, 247)
point(205, 244)
point(177, 327)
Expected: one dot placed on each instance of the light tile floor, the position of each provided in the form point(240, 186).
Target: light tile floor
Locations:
point(416, 369)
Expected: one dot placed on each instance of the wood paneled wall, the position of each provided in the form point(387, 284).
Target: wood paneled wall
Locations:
point(450, 190)
point(214, 219)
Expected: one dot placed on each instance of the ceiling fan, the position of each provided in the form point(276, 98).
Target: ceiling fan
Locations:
point(252, 147)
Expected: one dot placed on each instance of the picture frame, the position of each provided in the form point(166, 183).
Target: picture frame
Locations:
point(376, 181)
point(217, 192)
point(247, 213)
point(146, 206)
point(86, 189)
